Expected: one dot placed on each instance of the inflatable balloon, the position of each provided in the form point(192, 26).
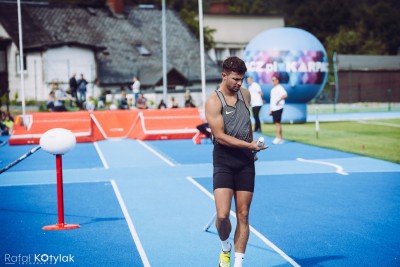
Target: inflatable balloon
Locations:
point(300, 60)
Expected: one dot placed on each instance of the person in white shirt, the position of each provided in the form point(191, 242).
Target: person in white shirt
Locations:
point(136, 89)
point(277, 102)
point(256, 102)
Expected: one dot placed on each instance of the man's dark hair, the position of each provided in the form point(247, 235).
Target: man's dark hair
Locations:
point(234, 64)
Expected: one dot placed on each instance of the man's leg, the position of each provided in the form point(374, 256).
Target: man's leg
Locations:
point(242, 201)
point(223, 199)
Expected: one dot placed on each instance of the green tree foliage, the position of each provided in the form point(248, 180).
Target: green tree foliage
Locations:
point(355, 41)
point(347, 26)
point(382, 21)
point(190, 18)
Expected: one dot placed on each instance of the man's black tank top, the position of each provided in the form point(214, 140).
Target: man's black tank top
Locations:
point(237, 123)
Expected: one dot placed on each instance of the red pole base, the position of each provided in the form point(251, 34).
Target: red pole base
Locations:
point(61, 226)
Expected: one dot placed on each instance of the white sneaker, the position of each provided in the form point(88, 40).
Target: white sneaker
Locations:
point(275, 141)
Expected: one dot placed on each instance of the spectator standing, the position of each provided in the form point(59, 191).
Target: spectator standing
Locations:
point(256, 102)
point(73, 86)
point(277, 102)
point(82, 88)
point(136, 88)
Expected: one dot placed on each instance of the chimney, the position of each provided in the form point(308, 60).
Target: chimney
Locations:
point(116, 6)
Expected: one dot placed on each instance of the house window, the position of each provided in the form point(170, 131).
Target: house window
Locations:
point(18, 63)
point(143, 51)
point(234, 52)
point(219, 55)
point(2, 61)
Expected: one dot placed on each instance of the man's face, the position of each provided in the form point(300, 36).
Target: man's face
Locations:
point(233, 80)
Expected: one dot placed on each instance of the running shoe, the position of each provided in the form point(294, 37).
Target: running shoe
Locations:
point(224, 259)
point(276, 141)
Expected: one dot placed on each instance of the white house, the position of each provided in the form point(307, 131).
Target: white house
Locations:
point(109, 44)
point(233, 31)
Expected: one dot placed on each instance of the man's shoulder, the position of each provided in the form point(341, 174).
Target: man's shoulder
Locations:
point(213, 101)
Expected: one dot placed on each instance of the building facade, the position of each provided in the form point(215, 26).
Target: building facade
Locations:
point(234, 32)
point(108, 44)
point(368, 78)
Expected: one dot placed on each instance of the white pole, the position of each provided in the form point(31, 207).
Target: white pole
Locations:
point(164, 49)
point(203, 75)
point(335, 72)
point(21, 60)
point(316, 122)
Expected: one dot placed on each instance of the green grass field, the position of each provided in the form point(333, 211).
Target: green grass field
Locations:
point(373, 138)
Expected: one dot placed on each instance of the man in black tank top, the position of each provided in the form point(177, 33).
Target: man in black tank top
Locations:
point(228, 116)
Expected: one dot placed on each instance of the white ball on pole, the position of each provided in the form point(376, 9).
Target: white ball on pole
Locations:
point(58, 141)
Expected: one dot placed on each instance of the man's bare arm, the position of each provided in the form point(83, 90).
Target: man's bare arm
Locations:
point(216, 123)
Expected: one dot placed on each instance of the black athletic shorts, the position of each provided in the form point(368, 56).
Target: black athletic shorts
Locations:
point(233, 168)
point(277, 115)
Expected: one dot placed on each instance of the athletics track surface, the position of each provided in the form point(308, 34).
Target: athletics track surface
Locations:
point(145, 203)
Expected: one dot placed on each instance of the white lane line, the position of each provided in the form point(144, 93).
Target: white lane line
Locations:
point(103, 160)
point(156, 153)
point(134, 234)
point(52, 183)
point(252, 229)
point(339, 169)
point(380, 123)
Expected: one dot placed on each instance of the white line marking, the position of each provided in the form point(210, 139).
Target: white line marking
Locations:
point(339, 169)
point(61, 120)
point(134, 234)
point(103, 160)
point(98, 125)
point(23, 136)
point(54, 183)
point(252, 229)
point(380, 123)
point(199, 186)
point(156, 153)
point(149, 117)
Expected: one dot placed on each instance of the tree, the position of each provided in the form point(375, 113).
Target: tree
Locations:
point(326, 19)
point(190, 18)
point(355, 41)
point(381, 19)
